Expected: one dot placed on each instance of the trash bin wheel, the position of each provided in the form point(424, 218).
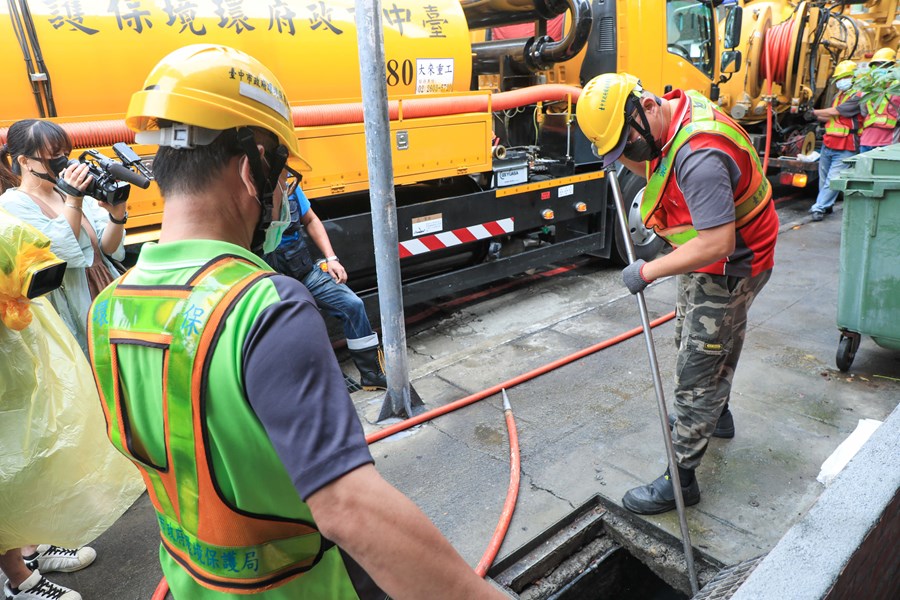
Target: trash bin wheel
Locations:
point(846, 352)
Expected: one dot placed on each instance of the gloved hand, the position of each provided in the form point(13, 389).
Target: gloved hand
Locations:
point(632, 278)
point(810, 116)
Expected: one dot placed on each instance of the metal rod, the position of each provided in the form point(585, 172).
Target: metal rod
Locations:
point(370, 39)
point(657, 384)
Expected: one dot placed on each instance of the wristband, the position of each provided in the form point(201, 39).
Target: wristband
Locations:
point(331, 258)
point(78, 208)
point(124, 220)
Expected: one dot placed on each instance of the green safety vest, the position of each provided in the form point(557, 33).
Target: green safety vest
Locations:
point(703, 120)
point(151, 348)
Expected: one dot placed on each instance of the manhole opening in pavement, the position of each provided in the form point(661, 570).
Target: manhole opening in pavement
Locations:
point(600, 552)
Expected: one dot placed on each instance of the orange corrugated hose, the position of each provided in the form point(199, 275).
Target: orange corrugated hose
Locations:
point(512, 492)
point(92, 134)
point(774, 59)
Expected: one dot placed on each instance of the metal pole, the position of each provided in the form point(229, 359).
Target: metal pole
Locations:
point(400, 399)
point(657, 383)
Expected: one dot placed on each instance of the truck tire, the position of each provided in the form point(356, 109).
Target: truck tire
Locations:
point(646, 243)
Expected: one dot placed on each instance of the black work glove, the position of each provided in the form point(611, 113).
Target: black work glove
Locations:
point(810, 116)
point(632, 278)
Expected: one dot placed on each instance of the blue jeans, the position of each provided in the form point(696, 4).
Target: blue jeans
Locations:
point(867, 148)
point(337, 300)
point(831, 163)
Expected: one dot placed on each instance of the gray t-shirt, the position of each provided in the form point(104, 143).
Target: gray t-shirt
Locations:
point(707, 178)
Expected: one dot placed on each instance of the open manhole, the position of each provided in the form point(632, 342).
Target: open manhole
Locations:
point(601, 552)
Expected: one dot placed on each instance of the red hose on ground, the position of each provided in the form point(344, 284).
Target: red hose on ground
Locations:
point(512, 493)
point(161, 590)
point(442, 410)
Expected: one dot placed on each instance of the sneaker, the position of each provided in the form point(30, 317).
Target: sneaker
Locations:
point(38, 587)
point(724, 426)
point(659, 496)
point(53, 558)
point(818, 216)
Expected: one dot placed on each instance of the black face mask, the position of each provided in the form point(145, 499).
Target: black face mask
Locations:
point(57, 165)
point(640, 150)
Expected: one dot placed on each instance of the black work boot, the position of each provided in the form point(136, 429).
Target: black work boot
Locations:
point(370, 362)
point(724, 426)
point(659, 496)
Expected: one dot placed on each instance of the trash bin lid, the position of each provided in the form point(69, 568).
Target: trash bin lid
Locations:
point(871, 173)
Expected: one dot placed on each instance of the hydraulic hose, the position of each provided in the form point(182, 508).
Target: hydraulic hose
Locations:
point(506, 515)
point(512, 493)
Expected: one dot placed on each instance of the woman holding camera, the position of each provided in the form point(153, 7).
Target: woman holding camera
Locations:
point(84, 232)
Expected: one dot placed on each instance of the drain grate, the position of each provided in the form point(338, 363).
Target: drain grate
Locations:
point(726, 583)
point(352, 384)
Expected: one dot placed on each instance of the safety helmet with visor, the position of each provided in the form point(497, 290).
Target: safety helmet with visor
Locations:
point(196, 92)
point(608, 108)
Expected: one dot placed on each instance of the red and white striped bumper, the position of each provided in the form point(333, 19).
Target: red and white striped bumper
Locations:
point(446, 239)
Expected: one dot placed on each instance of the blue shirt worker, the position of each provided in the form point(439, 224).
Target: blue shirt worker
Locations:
point(217, 378)
point(326, 280)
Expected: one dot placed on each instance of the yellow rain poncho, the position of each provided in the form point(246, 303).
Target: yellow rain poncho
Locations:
point(61, 481)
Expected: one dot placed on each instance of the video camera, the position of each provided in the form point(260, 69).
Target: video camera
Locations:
point(111, 180)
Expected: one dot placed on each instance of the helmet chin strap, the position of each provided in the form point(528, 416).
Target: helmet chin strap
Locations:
point(634, 103)
point(266, 183)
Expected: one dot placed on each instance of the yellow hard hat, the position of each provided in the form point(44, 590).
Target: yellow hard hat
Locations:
point(843, 69)
point(211, 88)
point(884, 55)
point(601, 112)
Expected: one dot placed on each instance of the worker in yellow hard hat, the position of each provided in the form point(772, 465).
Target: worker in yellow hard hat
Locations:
point(841, 138)
point(708, 197)
point(879, 112)
point(884, 57)
point(237, 413)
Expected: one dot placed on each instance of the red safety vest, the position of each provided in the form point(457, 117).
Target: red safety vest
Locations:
point(664, 207)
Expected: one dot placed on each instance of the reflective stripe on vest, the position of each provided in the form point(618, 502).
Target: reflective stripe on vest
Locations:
point(224, 548)
point(879, 115)
point(839, 126)
point(703, 120)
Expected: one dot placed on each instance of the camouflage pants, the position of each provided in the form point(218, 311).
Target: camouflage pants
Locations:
point(710, 324)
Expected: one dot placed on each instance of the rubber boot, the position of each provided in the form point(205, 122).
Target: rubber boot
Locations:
point(370, 362)
point(724, 426)
point(658, 496)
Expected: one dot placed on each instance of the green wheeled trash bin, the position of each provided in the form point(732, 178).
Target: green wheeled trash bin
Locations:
point(869, 279)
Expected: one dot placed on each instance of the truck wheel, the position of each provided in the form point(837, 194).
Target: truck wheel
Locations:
point(646, 243)
point(845, 354)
